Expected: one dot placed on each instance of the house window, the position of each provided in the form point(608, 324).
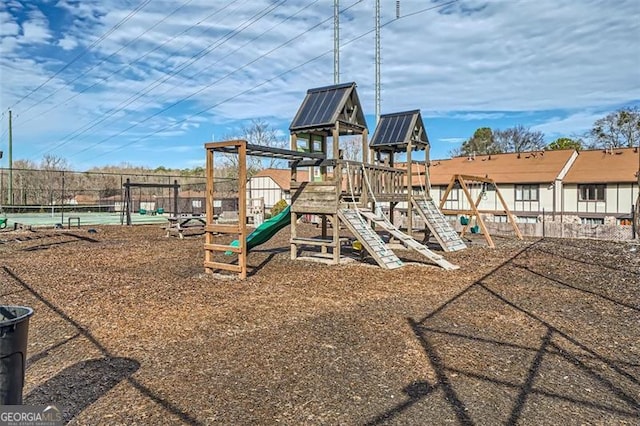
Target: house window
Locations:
point(526, 219)
point(526, 192)
point(591, 192)
point(592, 220)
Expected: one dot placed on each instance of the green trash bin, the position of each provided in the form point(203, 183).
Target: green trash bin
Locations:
point(14, 327)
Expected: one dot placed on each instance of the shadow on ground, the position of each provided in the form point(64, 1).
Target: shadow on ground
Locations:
point(497, 353)
point(80, 385)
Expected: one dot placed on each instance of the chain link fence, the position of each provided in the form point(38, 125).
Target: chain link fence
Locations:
point(52, 192)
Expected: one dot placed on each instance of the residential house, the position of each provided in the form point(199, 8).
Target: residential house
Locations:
point(529, 182)
point(592, 186)
point(272, 185)
point(601, 186)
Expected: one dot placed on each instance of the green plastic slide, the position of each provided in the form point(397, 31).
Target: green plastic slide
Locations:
point(268, 229)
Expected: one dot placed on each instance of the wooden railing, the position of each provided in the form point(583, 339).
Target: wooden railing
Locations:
point(385, 182)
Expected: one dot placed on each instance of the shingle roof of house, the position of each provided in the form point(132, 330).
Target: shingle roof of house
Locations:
point(599, 166)
point(526, 167)
point(282, 177)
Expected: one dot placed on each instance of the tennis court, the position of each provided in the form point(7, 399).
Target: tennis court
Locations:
point(71, 218)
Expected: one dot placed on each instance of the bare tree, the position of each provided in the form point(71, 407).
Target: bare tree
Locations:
point(619, 129)
point(519, 139)
point(258, 132)
point(352, 148)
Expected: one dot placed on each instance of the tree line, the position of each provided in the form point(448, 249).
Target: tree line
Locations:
point(619, 129)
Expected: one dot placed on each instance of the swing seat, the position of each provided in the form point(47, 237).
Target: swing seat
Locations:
point(475, 229)
point(464, 220)
point(160, 210)
point(142, 211)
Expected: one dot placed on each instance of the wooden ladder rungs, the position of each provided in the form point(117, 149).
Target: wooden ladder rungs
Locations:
point(223, 266)
point(222, 247)
point(223, 229)
point(313, 242)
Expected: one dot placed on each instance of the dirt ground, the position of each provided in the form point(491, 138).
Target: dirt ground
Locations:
point(129, 330)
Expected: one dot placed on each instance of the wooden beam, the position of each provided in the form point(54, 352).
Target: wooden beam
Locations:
point(444, 197)
point(224, 266)
point(230, 143)
point(223, 229)
point(222, 247)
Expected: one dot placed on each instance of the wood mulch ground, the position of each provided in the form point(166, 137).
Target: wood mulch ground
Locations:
point(129, 330)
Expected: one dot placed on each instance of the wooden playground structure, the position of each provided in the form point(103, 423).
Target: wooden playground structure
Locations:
point(464, 182)
point(341, 192)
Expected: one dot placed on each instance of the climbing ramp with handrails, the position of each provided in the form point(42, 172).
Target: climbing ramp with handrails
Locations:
point(381, 220)
point(371, 241)
point(438, 224)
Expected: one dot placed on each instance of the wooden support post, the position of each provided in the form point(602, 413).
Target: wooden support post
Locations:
point(242, 194)
point(512, 220)
point(444, 197)
point(323, 178)
point(335, 222)
point(175, 197)
point(365, 147)
point(127, 201)
point(409, 190)
point(208, 236)
point(294, 216)
point(474, 212)
point(294, 247)
point(294, 147)
point(337, 176)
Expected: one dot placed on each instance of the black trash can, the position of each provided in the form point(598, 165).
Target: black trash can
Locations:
point(14, 328)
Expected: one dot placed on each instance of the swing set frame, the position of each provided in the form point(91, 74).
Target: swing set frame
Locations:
point(464, 181)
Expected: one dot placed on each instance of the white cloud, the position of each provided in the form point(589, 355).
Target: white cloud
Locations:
point(479, 61)
point(574, 124)
point(452, 140)
point(35, 29)
point(7, 26)
point(67, 43)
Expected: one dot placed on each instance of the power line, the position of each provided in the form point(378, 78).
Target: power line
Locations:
point(106, 59)
point(248, 42)
point(172, 125)
point(86, 50)
point(194, 58)
point(213, 83)
point(104, 79)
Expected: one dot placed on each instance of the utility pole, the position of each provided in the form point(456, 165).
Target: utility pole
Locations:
point(377, 83)
point(10, 185)
point(336, 41)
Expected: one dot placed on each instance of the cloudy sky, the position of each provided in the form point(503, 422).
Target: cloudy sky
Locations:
point(147, 82)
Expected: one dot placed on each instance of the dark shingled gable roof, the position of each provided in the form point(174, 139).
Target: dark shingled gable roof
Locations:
point(394, 131)
point(322, 106)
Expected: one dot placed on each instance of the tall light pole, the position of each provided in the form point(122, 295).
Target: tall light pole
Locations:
point(336, 41)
